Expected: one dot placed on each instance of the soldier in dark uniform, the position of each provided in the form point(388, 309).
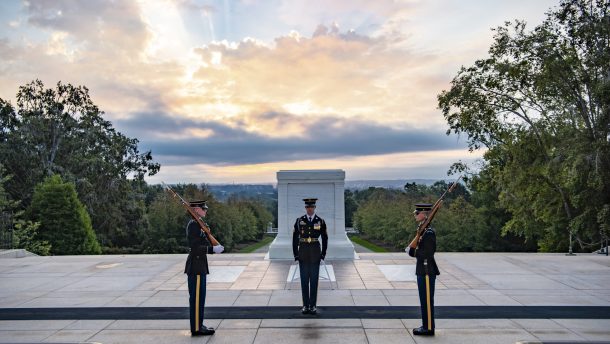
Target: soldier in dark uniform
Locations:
point(423, 248)
point(306, 249)
point(197, 268)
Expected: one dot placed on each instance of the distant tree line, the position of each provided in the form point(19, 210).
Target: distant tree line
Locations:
point(71, 184)
point(232, 222)
point(464, 223)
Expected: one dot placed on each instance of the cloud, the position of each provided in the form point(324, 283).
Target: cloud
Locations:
point(320, 138)
point(98, 24)
point(293, 81)
point(191, 5)
point(333, 73)
point(115, 51)
point(98, 44)
point(7, 51)
point(430, 165)
point(361, 15)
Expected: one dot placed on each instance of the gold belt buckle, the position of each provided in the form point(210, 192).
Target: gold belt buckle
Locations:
point(309, 240)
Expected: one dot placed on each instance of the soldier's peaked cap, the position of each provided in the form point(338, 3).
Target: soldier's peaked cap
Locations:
point(423, 206)
point(310, 201)
point(200, 204)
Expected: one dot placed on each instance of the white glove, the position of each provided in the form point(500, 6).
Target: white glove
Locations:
point(218, 249)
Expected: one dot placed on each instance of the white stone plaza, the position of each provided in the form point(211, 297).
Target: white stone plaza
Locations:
point(249, 280)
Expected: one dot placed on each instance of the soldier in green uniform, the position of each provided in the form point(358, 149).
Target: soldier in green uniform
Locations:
point(423, 248)
point(197, 269)
point(308, 229)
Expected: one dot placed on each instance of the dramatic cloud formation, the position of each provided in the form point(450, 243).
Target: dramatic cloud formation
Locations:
point(212, 142)
point(343, 74)
point(233, 91)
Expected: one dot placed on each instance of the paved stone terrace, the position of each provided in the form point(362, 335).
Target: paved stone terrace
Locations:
point(294, 331)
point(467, 279)
point(250, 280)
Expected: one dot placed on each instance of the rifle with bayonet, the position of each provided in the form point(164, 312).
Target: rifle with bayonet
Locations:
point(437, 205)
point(204, 227)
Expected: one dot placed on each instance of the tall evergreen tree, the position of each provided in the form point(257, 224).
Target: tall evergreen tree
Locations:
point(64, 222)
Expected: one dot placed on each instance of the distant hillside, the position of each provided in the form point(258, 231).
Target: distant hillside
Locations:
point(388, 184)
point(223, 191)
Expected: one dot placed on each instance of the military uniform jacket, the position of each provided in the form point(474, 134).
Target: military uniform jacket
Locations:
point(424, 253)
point(197, 261)
point(309, 252)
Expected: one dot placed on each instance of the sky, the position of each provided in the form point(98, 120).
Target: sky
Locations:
point(234, 91)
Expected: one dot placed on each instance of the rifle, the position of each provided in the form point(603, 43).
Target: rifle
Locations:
point(424, 224)
point(204, 227)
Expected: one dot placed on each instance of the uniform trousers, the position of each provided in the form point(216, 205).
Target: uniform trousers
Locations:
point(196, 284)
point(425, 286)
point(309, 272)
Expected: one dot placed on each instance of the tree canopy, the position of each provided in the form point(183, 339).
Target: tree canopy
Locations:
point(540, 106)
point(61, 131)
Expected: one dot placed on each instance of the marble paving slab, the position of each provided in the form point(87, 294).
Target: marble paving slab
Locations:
point(326, 273)
point(224, 274)
point(398, 273)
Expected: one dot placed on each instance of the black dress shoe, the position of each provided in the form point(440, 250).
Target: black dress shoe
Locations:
point(305, 310)
point(204, 331)
point(313, 310)
point(421, 331)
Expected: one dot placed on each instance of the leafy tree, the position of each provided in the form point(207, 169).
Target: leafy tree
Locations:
point(25, 236)
point(416, 190)
point(61, 131)
point(460, 228)
point(494, 217)
point(236, 221)
point(350, 208)
point(24, 233)
point(386, 215)
point(64, 221)
point(130, 211)
point(167, 226)
point(540, 105)
point(167, 219)
point(461, 225)
point(262, 217)
point(439, 188)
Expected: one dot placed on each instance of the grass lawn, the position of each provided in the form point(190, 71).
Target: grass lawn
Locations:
point(251, 248)
point(368, 244)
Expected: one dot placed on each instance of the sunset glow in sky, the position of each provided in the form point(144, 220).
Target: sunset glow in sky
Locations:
point(233, 91)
